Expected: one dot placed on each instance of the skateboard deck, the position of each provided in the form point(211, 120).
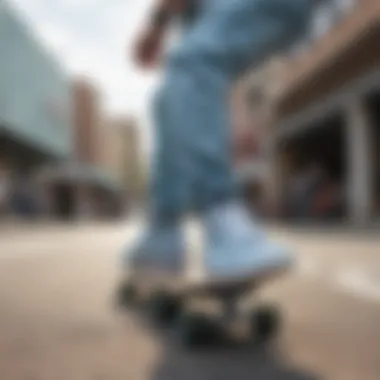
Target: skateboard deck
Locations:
point(198, 284)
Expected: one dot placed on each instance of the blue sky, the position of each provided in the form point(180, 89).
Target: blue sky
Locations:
point(94, 37)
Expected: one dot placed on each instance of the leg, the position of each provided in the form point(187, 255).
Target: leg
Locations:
point(191, 114)
point(200, 145)
point(169, 187)
point(228, 37)
point(226, 40)
point(193, 160)
point(161, 243)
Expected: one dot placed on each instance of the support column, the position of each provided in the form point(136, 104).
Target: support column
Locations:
point(274, 179)
point(360, 168)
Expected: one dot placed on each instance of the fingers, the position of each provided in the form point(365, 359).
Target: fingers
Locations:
point(148, 49)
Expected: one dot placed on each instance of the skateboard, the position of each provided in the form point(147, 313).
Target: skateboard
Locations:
point(202, 310)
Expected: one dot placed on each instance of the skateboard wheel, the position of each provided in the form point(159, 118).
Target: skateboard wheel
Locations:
point(126, 294)
point(265, 322)
point(164, 308)
point(196, 330)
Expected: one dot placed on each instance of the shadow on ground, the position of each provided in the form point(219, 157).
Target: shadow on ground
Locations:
point(224, 361)
point(226, 364)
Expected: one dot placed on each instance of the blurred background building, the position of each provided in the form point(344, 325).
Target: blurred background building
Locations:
point(61, 155)
point(34, 114)
point(83, 186)
point(323, 131)
point(123, 158)
point(307, 132)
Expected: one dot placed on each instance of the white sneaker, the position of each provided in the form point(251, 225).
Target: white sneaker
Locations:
point(236, 248)
point(160, 247)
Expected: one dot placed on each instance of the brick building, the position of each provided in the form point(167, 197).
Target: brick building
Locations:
point(323, 99)
point(87, 120)
point(121, 156)
point(84, 187)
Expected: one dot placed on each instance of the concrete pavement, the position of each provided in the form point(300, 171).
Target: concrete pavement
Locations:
point(57, 319)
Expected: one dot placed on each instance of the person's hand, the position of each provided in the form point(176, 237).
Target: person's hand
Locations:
point(149, 47)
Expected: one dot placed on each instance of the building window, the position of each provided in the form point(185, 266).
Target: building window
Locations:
point(323, 21)
point(325, 17)
point(344, 6)
point(328, 15)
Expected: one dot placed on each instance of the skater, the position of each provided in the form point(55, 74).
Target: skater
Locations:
point(192, 168)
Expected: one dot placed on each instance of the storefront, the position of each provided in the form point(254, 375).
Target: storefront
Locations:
point(79, 192)
point(329, 121)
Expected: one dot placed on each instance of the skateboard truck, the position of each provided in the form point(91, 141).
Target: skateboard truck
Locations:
point(197, 325)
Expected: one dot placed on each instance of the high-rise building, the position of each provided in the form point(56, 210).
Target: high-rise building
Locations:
point(122, 154)
point(84, 186)
point(87, 120)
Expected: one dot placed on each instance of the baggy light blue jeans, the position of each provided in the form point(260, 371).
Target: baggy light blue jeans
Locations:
point(192, 166)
